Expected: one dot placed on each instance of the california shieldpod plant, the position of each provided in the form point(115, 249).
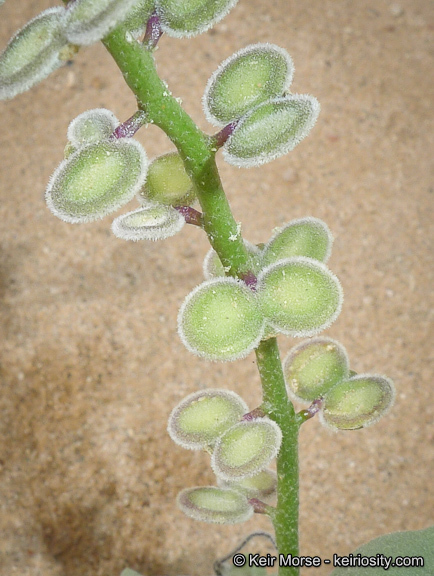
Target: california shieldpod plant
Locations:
point(251, 294)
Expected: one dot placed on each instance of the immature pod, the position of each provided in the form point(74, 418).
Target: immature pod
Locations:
point(308, 237)
point(244, 80)
point(150, 222)
point(33, 53)
point(213, 268)
point(246, 449)
point(221, 320)
point(168, 182)
point(262, 485)
point(314, 367)
point(357, 402)
point(88, 21)
point(215, 505)
point(191, 17)
point(203, 416)
point(97, 180)
point(270, 130)
point(91, 126)
point(299, 296)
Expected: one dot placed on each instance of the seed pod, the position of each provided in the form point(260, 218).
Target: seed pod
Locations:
point(88, 21)
point(91, 126)
point(247, 78)
point(213, 268)
point(299, 296)
point(151, 222)
point(138, 17)
point(270, 130)
point(246, 449)
point(215, 505)
point(221, 320)
point(33, 53)
point(97, 180)
point(314, 367)
point(202, 417)
point(357, 402)
point(308, 237)
point(262, 485)
point(191, 17)
point(168, 182)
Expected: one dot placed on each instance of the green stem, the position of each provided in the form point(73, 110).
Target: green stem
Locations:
point(278, 407)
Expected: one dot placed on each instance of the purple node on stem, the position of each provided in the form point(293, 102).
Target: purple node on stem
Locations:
point(259, 507)
point(153, 32)
point(191, 215)
point(253, 414)
point(221, 137)
point(128, 128)
point(250, 280)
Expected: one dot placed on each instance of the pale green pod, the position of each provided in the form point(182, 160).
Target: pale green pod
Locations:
point(33, 53)
point(168, 182)
point(262, 485)
point(186, 18)
point(244, 80)
point(150, 222)
point(215, 505)
point(203, 416)
point(138, 17)
point(213, 268)
point(91, 126)
point(314, 367)
point(357, 402)
point(221, 320)
point(246, 449)
point(308, 237)
point(88, 21)
point(299, 296)
point(271, 130)
point(97, 180)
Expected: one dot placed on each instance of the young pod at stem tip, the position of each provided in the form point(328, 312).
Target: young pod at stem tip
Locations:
point(91, 126)
point(150, 222)
point(215, 505)
point(310, 237)
point(97, 180)
point(203, 416)
point(271, 130)
point(221, 320)
point(33, 53)
point(244, 80)
point(191, 17)
point(88, 21)
point(246, 449)
point(313, 367)
point(262, 485)
point(299, 296)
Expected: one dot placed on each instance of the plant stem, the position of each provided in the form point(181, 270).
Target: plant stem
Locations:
point(278, 407)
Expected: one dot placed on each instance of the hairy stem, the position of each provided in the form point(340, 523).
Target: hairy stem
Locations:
point(278, 407)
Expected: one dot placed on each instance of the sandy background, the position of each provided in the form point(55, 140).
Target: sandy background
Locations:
point(91, 364)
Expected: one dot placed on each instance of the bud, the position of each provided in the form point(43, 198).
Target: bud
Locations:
point(168, 182)
point(299, 296)
point(213, 268)
point(247, 78)
point(91, 126)
point(88, 21)
point(151, 222)
point(97, 180)
point(202, 417)
point(33, 53)
point(308, 237)
point(313, 367)
point(220, 320)
point(357, 402)
point(270, 130)
point(246, 449)
point(215, 505)
point(262, 485)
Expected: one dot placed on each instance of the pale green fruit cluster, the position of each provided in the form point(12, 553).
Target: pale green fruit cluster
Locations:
point(191, 17)
point(319, 369)
point(241, 450)
point(150, 222)
point(33, 53)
